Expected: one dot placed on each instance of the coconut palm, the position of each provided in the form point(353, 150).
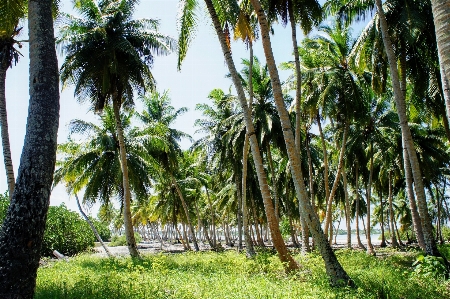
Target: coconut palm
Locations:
point(108, 57)
point(11, 15)
point(275, 231)
point(23, 228)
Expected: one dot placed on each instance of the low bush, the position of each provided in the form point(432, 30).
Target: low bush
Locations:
point(102, 229)
point(122, 240)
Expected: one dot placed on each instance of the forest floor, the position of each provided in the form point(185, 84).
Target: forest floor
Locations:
point(231, 275)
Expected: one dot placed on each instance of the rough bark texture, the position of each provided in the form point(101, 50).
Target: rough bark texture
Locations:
point(4, 131)
point(129, 233)
point(335, 272)
point(441, 18)
point(23, 229)
point(186, 211)
point(94, 230)
point(429, 240)
point(278, 241)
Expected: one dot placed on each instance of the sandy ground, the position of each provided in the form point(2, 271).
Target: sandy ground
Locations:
point(155, 247)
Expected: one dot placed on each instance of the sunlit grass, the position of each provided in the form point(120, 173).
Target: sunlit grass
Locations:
point(232, 275)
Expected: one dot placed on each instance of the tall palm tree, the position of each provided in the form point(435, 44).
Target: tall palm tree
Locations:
point(270, 213)
point(334, 269)
point(108, 57)
point(441, 18)
point(11, 13)
point(23, 229)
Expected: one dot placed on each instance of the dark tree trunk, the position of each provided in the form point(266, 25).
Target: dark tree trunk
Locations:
point(23, 229)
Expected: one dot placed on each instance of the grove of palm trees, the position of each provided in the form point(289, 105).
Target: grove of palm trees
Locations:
point(319, 175)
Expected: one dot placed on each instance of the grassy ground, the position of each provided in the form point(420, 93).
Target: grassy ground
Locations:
point(231, 275)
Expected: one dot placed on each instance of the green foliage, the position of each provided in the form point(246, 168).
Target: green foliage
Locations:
point(122, 240)
point(231, 275)
point(446, 233)
point(4, 204)
point(285, 227)
point(66, 232)
point(430, 266)
point(102, 229)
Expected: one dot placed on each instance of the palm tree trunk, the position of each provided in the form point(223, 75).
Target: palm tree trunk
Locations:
point(238, 182)
point(255, 218)
point(4, 131)
point(278, 241)
point(391, 214)
point(325, 157)
point(274, 182)
point(383, 236)
point(213, 222)
point(335, 184)
point(248, 240)
point(94, 230)
point(186, 212)
point(23, 228)
point(131, 242)
point(311, 184)
point(336, 273)
point(347, 209)
point(358, 238)
point(430, 243)
point(370, 249)
point(441, 18)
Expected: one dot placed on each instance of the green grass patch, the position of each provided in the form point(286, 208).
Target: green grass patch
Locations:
point(232, 275)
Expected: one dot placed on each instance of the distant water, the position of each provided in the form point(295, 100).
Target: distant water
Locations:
point(341, 239)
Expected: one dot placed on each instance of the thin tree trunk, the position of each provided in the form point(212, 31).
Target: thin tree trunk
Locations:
point(212, 219)
point(370, 249)
point(4, 131)
point(186, 212)
point(336, 273)
point(23, 228)
point(274, 183)
point(347, 209)
point(383, 237)
point(430, 243)
point(238, 182)
point(358, 238)
point(248, 240)
point(180, 237)
point(441, 18)
point(94, 230)
point(328, 216)
point(394, 242)
point(325, 158)
point(279, 244)
point(255, 218)
point(311, 183)
point(129, 234)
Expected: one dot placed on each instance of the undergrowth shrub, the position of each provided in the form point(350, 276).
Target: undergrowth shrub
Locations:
point(122, 240)
point(66, 232)
point(102, 229)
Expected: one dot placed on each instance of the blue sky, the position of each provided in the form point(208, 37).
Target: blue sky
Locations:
point(203, 70)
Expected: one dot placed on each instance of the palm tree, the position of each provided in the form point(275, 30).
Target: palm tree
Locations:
point(441, 18)
point(11, 14)
point(23, 229)
point(334, 270)
point(159, 115)
point(108, 57)
point(272, 221)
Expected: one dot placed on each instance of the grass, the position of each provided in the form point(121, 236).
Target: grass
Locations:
point(232, 275)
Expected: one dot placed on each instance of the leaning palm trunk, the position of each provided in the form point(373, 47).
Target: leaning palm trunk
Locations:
point(94, 230)
point(335, 184)
point(22, 231)
point(325, 157)
point(441, 18)
point(429, 240)
point(129, 233)
point(248, 240)
point(278, 241)
point(336, 273)
point(186, 212)
point(4, 131)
